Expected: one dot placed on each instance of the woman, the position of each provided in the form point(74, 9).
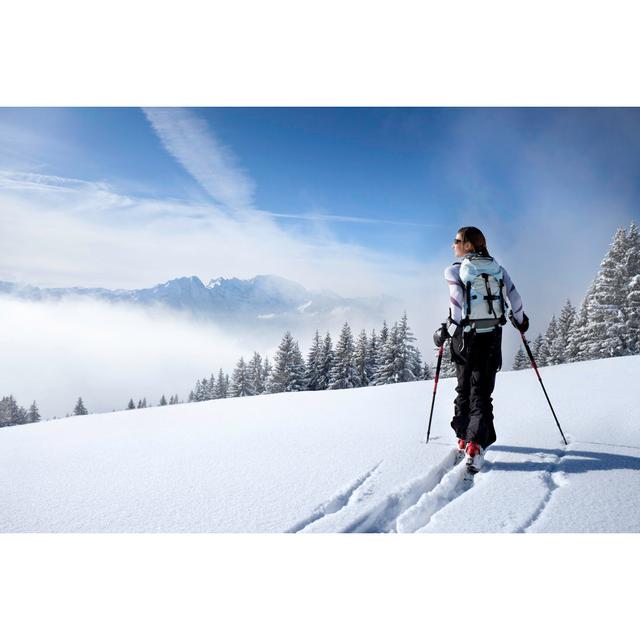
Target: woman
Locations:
point(475, 298)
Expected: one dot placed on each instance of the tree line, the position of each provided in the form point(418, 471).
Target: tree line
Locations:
point(608, 321)
point(385, 357)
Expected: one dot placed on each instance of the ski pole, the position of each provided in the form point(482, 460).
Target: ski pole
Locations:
point(435, 386)
point(535, 367)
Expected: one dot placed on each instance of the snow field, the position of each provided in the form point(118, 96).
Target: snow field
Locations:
point(337, 461)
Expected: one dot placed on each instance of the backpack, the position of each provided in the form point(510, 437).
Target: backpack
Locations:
point(483, 282)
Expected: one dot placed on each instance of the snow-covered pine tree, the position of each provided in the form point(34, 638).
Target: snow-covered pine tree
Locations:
point(605, 326)
point(241, 381)
point(266, 373)
point(632, 290)
point(210, 388)
point(222, 388)
point(535, 347)
point(79, 409)
point(10, 412)
point(373, 356)
point(288, 370)
point(326, 363)
point(579, 347)
point(362, 359)
point(33, 414)
point(408, 361)
point(163, 401)
point(380, 354)
point(388, 369)
point(344, 374)
point(520, 360)
point(144, 403)
point(131, 404)
point(314, 363)
point(418, 370)
point(560, 348)
point(190, 398)
point(633, 315)
point(255, 373)
point(547, 353)
point(427, 372)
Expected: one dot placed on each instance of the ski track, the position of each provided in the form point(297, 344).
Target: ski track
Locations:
point(382, 518)
point(553, 480)
point(454, 483)
point(336, 503)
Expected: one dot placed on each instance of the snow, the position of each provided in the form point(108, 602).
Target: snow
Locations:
point(337, 461)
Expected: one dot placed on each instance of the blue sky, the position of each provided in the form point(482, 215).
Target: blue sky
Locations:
point(355, 199)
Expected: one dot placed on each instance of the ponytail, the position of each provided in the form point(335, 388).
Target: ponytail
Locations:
point(476, 238)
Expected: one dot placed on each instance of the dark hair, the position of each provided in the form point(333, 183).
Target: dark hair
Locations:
point(476, 238)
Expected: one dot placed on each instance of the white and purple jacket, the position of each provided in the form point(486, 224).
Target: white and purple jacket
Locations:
point(456, 293)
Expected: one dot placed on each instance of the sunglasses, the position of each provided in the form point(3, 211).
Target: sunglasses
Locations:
point(456, 241)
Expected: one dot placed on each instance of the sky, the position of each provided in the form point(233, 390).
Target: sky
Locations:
point(361, 201)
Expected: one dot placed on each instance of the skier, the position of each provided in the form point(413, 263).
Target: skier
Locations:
point(477, 287)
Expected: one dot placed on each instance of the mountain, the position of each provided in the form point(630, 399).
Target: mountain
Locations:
point(337, 461)
point(263, 297)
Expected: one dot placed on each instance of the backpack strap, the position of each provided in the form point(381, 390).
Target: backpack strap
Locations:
point(489, 298)
point(468, 296)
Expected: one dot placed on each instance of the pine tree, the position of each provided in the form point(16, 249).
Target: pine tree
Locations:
point(362, 359)
point(241, 381)
point(380, 354)
point(536, 345)
point(314, 363)
point(408, 358)
point(417, 372)
point(427, 372)
point(373, 356)
point(520, 360)
point(632, 290)
point(560, 351)
point(191, 397)
point(79, 409)
point(633, 315)
point(163, 401)
point(34, 414)
point(546, 354)
point(131, 404)
point(344, 374)
point(210, 388)
point(388, 370)
point(326, 363)
point(256, 373)
point(605, 321)
point(11, 413)
point(139, 403)
point(144, 403)
point(222, 386)
point(288, 371)
point(266, 374)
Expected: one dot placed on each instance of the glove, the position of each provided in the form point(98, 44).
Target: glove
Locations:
point(441, 335)
point(523, 326)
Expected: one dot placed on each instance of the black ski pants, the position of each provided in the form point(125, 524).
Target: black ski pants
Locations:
point(477, 358)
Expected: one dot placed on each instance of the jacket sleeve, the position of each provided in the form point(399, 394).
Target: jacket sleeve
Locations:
point(515, 301)
point(456, 292)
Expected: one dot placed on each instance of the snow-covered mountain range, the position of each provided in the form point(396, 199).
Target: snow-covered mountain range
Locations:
point(263, 297)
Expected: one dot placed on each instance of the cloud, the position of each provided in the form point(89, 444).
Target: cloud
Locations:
point(192, 143)
point(54, 352)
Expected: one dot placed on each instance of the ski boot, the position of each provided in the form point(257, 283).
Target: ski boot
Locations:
point(474, 457)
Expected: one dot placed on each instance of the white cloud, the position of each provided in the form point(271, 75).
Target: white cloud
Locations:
point(192, 143)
